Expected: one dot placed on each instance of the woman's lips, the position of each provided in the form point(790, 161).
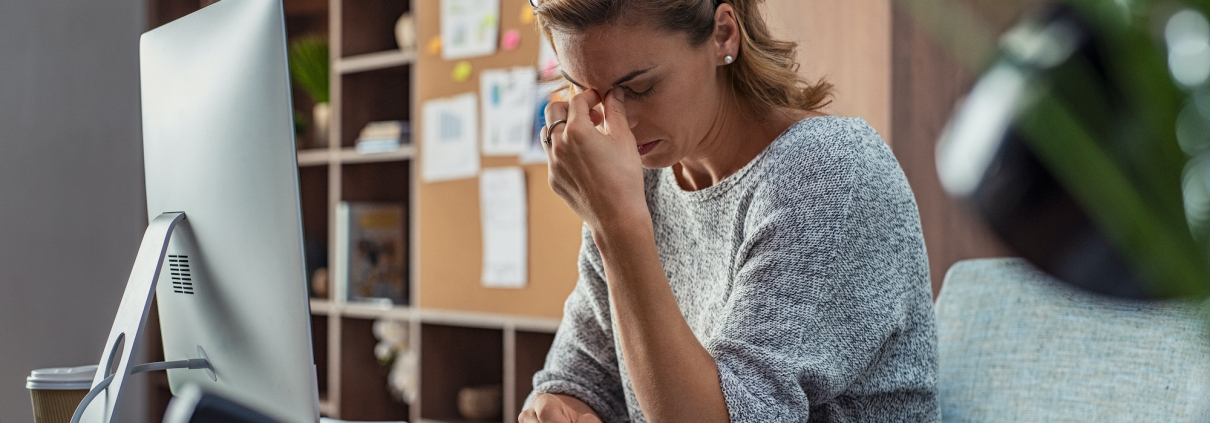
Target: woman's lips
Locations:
point(646, 148)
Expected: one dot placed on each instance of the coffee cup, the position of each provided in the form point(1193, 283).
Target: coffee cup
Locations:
point(57, 392)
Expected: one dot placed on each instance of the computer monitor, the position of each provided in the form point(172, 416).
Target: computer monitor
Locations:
point(218, 140)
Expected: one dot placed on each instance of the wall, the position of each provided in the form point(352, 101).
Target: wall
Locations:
point(847, 42)
point(71, 184)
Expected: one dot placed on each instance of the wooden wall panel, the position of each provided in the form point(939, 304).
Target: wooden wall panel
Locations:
point(848, 42)
point(927, 84)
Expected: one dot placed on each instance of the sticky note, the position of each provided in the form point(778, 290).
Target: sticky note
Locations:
point(527, 15)
point(434, 47)
point(462, 71)
point(511, 39)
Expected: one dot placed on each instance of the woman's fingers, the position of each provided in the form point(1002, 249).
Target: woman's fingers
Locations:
point(555, 111)
point(579, 109)
point(597, 117)
point(615, 112)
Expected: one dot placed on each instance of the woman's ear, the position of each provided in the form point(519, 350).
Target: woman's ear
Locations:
point(726, 33)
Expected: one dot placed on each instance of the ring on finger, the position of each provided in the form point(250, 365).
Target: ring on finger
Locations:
point(550, 130)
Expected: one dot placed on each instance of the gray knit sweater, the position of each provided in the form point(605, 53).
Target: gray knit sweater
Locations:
point(804, 275)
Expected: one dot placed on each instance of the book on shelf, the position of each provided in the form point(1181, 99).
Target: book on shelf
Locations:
point(371, 253)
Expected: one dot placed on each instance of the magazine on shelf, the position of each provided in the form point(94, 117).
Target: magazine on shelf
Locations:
point(371, 253)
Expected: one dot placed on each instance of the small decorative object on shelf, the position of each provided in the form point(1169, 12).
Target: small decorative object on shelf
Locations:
point(319, 283)
point(396, 356)
point(481, 402)
point(384, 137)
point(370, 253)
point(405, 32)
point(309, 67)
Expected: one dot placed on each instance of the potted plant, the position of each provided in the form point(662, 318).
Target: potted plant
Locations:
point(309, 68)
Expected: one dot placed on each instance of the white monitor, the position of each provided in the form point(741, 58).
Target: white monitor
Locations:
point(218, 142)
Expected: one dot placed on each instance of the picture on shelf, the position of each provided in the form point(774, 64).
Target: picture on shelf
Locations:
point(371, 253)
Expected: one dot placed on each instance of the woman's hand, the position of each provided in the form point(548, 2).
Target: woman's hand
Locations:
point(598, 174)
point(550, 408)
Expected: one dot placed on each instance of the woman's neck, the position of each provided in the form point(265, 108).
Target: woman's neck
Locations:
point(733, 141)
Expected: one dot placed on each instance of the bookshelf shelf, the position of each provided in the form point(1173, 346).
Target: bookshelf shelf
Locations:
point(471, 319)
point(350, 155)
point(374, 311)
point(374, 61)
point(314, 157)
point(321, 307)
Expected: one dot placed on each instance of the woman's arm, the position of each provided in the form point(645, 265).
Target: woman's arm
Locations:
point(582, 364)
point(600, 177)
point(674, 377)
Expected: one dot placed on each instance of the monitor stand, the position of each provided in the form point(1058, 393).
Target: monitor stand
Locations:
point(127, 330)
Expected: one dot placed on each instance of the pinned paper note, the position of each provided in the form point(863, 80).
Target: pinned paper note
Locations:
point(507, 98)
point(469, 28)
point(534, 153)
point(450, 149)
point(462, 71)
point(434, 45)
point(502, 210)
point(510, 40)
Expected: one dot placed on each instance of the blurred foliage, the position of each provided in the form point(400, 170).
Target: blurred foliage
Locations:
point(1107, 130)
point(309, 66)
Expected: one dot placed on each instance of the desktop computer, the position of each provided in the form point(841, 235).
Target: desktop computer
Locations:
point(223, 252)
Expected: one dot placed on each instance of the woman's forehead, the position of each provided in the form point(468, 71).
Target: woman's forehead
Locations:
point(601, 55)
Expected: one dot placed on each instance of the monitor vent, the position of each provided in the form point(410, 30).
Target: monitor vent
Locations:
point(182, 278)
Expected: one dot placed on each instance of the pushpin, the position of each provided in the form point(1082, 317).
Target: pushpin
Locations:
point(462, 71)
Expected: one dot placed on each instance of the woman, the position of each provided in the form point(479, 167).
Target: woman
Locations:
point(768, 263)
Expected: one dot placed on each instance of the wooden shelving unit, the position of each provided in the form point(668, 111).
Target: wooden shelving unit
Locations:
point(372, 79)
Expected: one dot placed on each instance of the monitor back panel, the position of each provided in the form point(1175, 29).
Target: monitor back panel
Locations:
point(219, 146)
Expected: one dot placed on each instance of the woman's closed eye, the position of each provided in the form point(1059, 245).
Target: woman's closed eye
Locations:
point(638, 95)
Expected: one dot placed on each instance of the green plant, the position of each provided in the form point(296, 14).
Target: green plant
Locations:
point(1108, 131)
point(309, 66)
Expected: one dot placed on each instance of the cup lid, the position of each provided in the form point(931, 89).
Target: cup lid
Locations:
point(62, 378)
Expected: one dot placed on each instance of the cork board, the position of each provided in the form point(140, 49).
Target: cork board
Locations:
point(450, 245)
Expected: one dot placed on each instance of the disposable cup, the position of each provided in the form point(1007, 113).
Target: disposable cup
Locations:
point(56, 392)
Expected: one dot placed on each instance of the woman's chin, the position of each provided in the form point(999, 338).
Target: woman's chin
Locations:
point(655, 161)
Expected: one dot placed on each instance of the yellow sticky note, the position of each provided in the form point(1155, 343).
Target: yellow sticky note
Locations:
point(527, 15)
point(462, 71)
point(434, 47)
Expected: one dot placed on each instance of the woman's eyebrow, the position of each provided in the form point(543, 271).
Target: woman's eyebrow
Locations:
point(620, 81)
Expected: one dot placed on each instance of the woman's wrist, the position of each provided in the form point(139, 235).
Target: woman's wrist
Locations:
point(622, 230)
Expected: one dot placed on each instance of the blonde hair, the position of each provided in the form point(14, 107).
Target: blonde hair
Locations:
point(765, 71)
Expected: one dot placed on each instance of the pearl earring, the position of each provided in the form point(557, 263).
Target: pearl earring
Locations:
point(728, 59)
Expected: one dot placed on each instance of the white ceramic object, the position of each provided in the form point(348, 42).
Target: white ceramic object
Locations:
point(405, 32)
point(322, 116)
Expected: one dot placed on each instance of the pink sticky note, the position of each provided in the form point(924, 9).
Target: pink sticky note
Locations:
point(511, 39)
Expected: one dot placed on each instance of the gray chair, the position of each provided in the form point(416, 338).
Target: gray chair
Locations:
point(1017, 346)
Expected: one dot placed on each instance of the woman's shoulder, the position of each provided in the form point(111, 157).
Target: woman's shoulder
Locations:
point(824, 151)
point(818, 164)
point(828, 143)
